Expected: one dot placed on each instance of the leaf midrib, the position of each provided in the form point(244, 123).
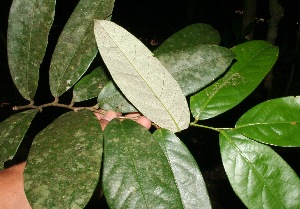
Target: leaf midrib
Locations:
point(132, 64)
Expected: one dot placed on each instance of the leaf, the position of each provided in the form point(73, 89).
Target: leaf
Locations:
point(190, 36)
point(179, 54)
point(141, 77)
point(63, 167)
point(27, 38)
point(12, 131)
point(274, 122)
point(110, 98)
point(257, 174)
point(136, 174)
point(90, 85)
point(76, 47)
point(186, 173)
point(196, 66)
point(254, 60)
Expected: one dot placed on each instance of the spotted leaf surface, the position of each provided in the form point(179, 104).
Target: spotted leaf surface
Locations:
point(141, 77)
point(190, 36)
point(63, 166)
point(76, 47)
point(27, 38)
point(254, 61)
point(90, 85)
point(136, 173)
point(12, 131)
point(196, 66)
point(110, 98)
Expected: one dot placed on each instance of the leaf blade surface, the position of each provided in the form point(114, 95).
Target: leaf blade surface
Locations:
point(76, 47)
point(273, 122)
point(187, 175)
point(66, 153)
point(12, 131)
point(90, 85)
point(258, 175)
point(141, 77)
point(135, 171)
point(254, 60)
point(27, 38)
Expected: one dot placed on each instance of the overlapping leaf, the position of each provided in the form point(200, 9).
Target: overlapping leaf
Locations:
point(76, 47)
point(258, 175)
point(12, 131)
point(110, 98)
point(190, 36)
point(136, 173)
point(254, 60)
point(90, 85)
point(141, 77)
point(28, 28)
point(190, 56)
point(63, 167)
point(196, 66)
point(274, 122)
point(187, 175)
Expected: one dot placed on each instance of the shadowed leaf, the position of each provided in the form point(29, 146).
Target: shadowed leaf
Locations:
point(12, 131)
point(90, 85)
point(110, 98)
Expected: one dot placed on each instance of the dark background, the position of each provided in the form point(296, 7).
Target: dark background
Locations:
point(157, 20)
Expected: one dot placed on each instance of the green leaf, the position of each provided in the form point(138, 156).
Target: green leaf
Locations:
point(63, 167)
point(196, 66)
point(110, 98)
point(136, 173)
point(257, 174)
point(76, 47)
point(141, 77)
point(12, 131)
point(254, 60)
point(90, 85)
point(274, 122)
point(186, 173)
point(27, 38)
point(190, 36)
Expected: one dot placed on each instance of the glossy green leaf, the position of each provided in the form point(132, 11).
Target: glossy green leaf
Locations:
point(63, 167)
point(136, 173)
point(27, 38)
point(12, 131)
point(254, 60)
point(257, 174)
point(141, 77)
point(187, 175)
point(274, 122)
point(190, 36)
point(76, 47)
point(196, 66)
point(110, 98)
point(90, 85)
